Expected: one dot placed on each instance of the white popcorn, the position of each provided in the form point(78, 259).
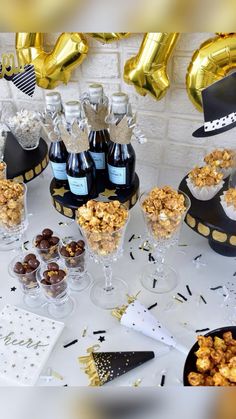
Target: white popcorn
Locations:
point(26, 127)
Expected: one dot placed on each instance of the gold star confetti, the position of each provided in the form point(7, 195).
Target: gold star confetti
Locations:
point(59, 191)
point(137, 382)
point(108, 193)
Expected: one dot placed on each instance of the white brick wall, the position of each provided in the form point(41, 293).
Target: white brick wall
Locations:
point(168, 123)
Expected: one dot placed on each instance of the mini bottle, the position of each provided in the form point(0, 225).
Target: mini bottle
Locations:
point(96, 109)
point(80, 167)
point(121, 156)
point(57, 151)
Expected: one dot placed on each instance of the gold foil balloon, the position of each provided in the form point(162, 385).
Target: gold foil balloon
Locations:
point(212, 61)
point(147, 70)
point(106, 37)
point(55, 67)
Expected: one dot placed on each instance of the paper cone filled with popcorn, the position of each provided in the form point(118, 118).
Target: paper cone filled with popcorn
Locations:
point(137, 317)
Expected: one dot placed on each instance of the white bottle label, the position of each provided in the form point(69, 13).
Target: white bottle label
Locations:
point(117, 175)
point(59, 170)
point(99, 160)
point(78, 185)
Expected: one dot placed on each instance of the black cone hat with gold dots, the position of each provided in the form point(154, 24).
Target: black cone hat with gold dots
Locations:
point(102, 367)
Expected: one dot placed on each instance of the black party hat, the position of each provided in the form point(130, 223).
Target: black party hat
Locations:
point(219, 106)
point(102, 367)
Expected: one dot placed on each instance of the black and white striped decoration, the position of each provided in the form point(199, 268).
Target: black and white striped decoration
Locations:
point(26, 81)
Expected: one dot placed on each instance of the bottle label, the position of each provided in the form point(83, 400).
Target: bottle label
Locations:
point(99, 160)
point(78, 185)
point(59, 170)
point(117, 175)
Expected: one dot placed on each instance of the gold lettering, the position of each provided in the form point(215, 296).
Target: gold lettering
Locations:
point(9, 339)
point(9, 67)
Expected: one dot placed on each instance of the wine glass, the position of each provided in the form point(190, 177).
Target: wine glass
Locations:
point(79, 278)
point(13, 219)
point(105, 248)
point(28, 282)
point(60, 304)
point(163, 232)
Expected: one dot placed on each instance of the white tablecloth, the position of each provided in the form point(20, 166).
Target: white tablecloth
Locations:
point(217, 271)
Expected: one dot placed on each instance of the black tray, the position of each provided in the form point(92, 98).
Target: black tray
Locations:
point(66, 203)
point(209, 219)
point(23, 165)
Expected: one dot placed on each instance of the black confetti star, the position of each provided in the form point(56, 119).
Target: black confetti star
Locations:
point(101, 338)
point(13, 289)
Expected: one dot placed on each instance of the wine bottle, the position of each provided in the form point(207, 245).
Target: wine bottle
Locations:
point(121, 157)
point(57, 152)
point(99, 138)
point(80, 167)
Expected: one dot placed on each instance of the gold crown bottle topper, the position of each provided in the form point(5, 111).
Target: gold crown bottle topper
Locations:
point(96, 118)
point(76, 140)
point(50, 123)
point(122, 132)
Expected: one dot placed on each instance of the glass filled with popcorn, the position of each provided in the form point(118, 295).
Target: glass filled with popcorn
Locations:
point(164, 210)
point(25, 125)
point(103, 226)
point(13, 213)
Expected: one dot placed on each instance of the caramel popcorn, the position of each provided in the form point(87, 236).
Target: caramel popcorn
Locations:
point(164, 208)
point(205, 176)
point(223, 159)
point(216, 362)
point(230, 197)
point(11, 203)
point(102, 222)
point(2, 170)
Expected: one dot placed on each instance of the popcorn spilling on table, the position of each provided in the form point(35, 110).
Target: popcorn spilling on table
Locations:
point(223, 160)
point(204, 182)
point(12, 209)
point(164, 208)
point(228, 202)
point(137, 317)
point(102, 222)
point(102, 367)
point(26, 127)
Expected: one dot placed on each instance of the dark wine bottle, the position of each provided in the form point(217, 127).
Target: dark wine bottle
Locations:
point(80, 167)
point(121, 157)
point(99, 137)
point(57, 152)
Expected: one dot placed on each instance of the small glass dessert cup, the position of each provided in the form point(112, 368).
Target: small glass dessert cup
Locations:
point(105, 248)
point(163, 232)
point(13, 214)
point(32, 296)
point(3, 170)
point(73, 254)
point(52, 279)
point(46, 245)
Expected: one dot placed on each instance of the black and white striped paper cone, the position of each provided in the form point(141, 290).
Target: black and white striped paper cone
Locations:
point(137, 317)
point(26, 81)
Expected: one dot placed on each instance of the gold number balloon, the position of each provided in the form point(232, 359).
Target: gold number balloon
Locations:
point(55, 67)
point(212, 61)
point(147, 71)
point(106, 37)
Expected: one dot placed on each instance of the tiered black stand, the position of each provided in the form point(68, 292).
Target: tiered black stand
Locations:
point(23, 165)
point(209, 219)
point(66, 203)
